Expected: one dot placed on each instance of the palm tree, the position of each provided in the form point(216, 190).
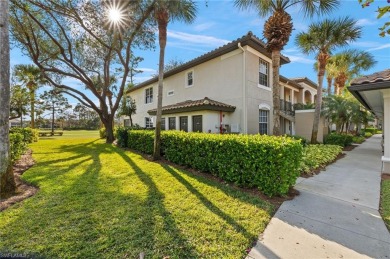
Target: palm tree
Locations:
point(7, 182)
point(321, 39)
point(350, 63)
point(32, 77)
point(165, 11)
point(277, 31)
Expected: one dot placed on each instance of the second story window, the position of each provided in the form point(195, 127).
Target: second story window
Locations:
point(149, 95)
point(190, 78)
point(263, 72)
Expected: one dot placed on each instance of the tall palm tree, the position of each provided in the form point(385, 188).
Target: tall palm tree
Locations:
point(7, 182)
point(32, 77)
point(321, 38)
point(350, 63)
point(277, 31)
point(164, 12)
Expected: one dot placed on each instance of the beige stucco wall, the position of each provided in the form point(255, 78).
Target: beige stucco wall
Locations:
point(386, 131)
point(219, 79)
point(304, 125)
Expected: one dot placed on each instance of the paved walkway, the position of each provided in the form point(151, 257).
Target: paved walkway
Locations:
point(336, 214)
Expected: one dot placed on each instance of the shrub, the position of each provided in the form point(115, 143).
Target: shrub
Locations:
point(267, 162)
point(17, 144)
point(367, 134)
point(315, 156)
point(121, 136)
point(29, 135)
point(358, 139)
point(102, 132)
point(371, 130)
point(338, 139)
point(303, 140)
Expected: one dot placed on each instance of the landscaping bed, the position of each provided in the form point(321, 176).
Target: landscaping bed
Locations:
point(316, 157)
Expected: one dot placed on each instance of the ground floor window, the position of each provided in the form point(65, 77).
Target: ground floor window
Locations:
point(197, 123)
point(162, 123)
point(126, 122)
point(148, 122)
point(263, 121)
point(184, 123)
point(172, 123)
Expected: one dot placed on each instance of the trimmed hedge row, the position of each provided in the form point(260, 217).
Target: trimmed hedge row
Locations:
point(267, 162)
point(371, 130)
point(338, 139)
point(316, 156)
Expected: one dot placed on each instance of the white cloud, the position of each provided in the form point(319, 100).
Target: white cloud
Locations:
point(385, 46)
point(365, 22)
point(147, 70)
point(197, 39)
point(291, 50)
point(366, 44)
point(203, 26)
point(298, 59)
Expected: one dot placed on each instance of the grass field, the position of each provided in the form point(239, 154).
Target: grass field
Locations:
point(385, 202)
point(98, 201)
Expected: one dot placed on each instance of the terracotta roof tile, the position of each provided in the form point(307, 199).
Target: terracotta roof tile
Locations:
point(204, 103)
point(373, 78)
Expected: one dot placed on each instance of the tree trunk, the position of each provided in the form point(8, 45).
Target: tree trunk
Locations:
point(329, 79)
point(32, 107)
point(52, 119)
point(131, 121)
point(322, 59)
point(162, 19)
point(108, 124)
point(276, 91)
point(7, 182)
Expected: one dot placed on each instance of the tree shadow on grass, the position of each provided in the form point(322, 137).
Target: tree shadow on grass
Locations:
point(214, 209)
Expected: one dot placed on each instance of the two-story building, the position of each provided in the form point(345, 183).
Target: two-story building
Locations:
point(226, 90)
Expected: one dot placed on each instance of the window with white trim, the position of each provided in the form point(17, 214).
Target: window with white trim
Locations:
point(148, 122)
point(263, 72)
point(149, 95)
point(190, 78)
point(263, 121)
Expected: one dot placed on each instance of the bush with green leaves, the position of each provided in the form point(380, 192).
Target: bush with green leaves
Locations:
point(29, 135)
point(371, 130)
point(358, 139)
point(102, 132)
point(303, 140)
point(267, 162)
point(338, 139)
point(316, 156)
point(367, 134)
point(17, 145)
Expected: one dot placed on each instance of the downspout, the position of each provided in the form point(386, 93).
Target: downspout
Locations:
point(244, 94)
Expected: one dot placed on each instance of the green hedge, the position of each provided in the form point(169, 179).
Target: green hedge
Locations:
point(29, 135)
point(338, 139)
point(358, 139)
point(17, 144)
point(367, 134)
point(315, 156)
point(266, 162)
point(371, 130)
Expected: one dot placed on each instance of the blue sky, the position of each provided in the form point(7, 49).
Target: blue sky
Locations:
point(220, 22)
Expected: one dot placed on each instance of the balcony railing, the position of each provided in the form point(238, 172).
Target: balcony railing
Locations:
point(287, 107)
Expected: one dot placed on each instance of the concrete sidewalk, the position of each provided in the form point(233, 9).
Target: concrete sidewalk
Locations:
point(336, 214)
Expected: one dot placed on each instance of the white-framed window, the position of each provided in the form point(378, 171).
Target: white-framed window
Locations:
point(149, 95)
point(263, 73)
point(148, 122)
point(190, 78)
point(263, 121)
point(170, 93)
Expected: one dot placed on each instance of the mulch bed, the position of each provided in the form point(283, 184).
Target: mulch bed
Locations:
point(385, 176)
point(23, 189)
point(349, 148)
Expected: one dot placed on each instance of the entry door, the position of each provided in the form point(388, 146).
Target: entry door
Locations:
point(197, 123)
point(184, 123)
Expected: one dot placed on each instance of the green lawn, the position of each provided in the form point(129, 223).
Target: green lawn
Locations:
point(98, 201)
point(385, 202)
